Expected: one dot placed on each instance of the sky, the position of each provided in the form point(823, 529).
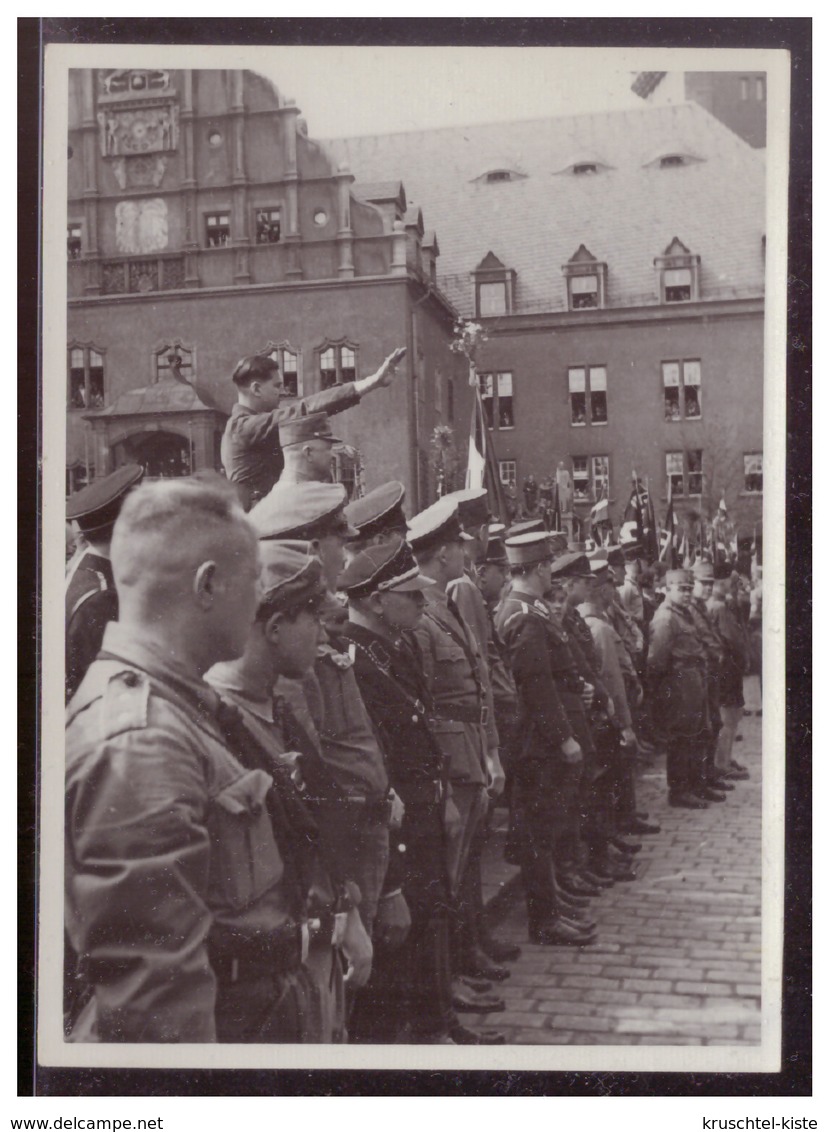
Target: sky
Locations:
point(349, 91)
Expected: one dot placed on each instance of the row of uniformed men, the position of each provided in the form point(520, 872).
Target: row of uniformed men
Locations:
point(230, 894)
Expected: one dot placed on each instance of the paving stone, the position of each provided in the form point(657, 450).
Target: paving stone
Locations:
point(646, 985)
point(575, 1022)
point(588, 981)
point(670, 1000)
point(519, 1018)
point(588, 1009)
point(749, 990)
point(612, 997)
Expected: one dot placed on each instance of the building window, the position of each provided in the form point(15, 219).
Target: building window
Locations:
point(586, 281)
point(508, 473)
point(671, 161)
point(760, 90)
point(86, 378)
point(494, 286)
point(346, 469)
point(268, 225)
point(682, 390)
point(590, 477)
point(288, 361)
point(173, 363)
point(678, 273)
point(684, 472)
point(600, 476)
point(744, 89)
point(218, 229)
point(73, 241)
point(588, 395)
point(337, 365)
point(491, 299)
point(584, 168)
point(580, 478)
point(753, 472)
point(497, 395)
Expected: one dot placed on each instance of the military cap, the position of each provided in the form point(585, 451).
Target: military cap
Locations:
point(631, 550)
point(382, 568)
point(472, 505)
point(615, 556)
point(496, 530)
point(525, 527)
point(529, 548)
point(679, 577)
point(703, 571)
point(438, 523)
point(289, 574)
point(289, 509)
point(299, 430)
point(96, 507)
point(571, 566)
point(600, 569)
point(379, 510)
point(494, 553)
point(599, 555)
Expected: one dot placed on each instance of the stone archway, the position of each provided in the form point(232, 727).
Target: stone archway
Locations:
point(162, 454)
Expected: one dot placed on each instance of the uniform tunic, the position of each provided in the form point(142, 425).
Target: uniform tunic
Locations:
point(412, 984)
point(678, 668)
point(91, 603)
point(250, 450)
point(174, 877)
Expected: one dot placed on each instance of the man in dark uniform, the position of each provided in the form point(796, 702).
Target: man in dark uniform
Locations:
point(377, 516)
point(91, 599)
point(552, 734)
point(250, 448)
point(713, 786)
point(677, 666)
point(411, 987)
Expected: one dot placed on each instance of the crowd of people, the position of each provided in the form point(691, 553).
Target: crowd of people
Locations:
point(290, 717)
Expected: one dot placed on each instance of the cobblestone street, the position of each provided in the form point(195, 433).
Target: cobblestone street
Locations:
point(677, 960)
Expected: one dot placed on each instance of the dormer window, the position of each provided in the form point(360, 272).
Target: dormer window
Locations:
point(498, 175)
point(678, 273)
point(671, 161)
point(584, 167)
point(583, 164)
point(586, 281)
point(494, 286)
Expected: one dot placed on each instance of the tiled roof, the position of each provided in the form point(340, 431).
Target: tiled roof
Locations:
point(626, 214)
point(163, 397)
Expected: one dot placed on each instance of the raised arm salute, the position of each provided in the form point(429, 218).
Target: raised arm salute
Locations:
point(250, 449)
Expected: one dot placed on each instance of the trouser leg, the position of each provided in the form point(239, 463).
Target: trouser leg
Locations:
point(724, 745)
point(678, 761)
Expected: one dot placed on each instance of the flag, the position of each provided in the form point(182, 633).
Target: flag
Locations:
point(554, 514)
point(600, 510)
point(685, 553)
point(636, 527)
point(668, 550)
point(482, 469)
point(651, 532)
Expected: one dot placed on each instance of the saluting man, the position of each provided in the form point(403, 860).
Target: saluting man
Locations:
point(250, 448)
point(91, 599)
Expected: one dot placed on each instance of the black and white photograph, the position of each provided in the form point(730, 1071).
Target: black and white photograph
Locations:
point(415, 420)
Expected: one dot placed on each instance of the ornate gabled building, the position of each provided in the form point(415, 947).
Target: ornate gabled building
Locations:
point(204, 224)
point(616, 262)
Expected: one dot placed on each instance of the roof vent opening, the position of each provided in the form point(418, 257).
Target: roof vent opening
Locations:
point(498, 175)
point(672, 161)
point(584, 168)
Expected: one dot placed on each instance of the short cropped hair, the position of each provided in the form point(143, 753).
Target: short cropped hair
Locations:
point(255, 367)
point(168, 526)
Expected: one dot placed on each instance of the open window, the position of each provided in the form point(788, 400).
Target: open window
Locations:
point(217, 226)
point(494, 286)
point(86, 377)
point(678, 273)
point(681, 382)
point(289, 362)
point(587, 395)
point(337, 364)
point(753, 472)
point(497, 397)
point(586, 281)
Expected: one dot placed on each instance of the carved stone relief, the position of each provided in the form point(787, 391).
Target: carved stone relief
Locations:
point(125, 132)
point(141, 226)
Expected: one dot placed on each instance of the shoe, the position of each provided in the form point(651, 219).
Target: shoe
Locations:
point(460, 1036)
point(642, 815)
point(577, 886)
point(623, 872)
point(500, 951)
point(480, 967)
point(627, 847)
point(711, 795)
point(578, 916)
point(596, 876)
point(721, 783)
point(639, 826)
point(646, 747)
point(587, 926)
point(479, 986)
point(738, 766)
point(571, 899)
point(686, 801)
point(738, 773)
point(465, 1000)
point(561, 934)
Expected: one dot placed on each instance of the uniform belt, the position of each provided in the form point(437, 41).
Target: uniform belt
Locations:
point(421, 792)
point(372, 805)
point(462, 713)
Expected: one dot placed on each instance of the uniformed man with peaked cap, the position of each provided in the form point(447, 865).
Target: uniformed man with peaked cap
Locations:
point(552, 732)
point(289, 510)
point(91, 599)
point(409, 996)
point(526, 527)
point(377, 516)
point(677, 664)
point(307, 447)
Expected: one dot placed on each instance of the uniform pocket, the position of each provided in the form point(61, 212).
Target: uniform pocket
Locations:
point(245, 860)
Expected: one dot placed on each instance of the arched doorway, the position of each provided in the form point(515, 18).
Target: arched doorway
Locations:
point(162, 455)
